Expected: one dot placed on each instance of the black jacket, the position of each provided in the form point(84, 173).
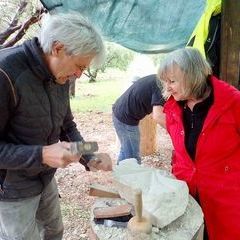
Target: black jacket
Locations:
point(40, 116)
point(138, 100)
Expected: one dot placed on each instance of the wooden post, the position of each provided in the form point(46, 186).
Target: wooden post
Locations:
point(147, 128)
point(230, 42)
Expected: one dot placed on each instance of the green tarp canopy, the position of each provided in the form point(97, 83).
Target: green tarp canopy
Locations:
point(147, 26)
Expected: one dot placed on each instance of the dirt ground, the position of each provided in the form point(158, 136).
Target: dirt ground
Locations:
point(74, 181)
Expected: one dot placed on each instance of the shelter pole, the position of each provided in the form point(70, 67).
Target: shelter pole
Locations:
point(230, 42)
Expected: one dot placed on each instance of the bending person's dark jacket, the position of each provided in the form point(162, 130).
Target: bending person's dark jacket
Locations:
point(40, 116)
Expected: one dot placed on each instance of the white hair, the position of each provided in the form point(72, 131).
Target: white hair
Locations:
point(76, 33)
point(194, 67)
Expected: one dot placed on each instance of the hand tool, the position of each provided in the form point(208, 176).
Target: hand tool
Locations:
point(112, 223)
point(83, 147)
point(120, 222)
point(138, 223)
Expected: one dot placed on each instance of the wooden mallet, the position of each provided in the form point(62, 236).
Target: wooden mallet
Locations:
point(138, 223)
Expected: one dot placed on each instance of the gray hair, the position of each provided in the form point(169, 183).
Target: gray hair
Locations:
point(194, 67)
point(76, 34)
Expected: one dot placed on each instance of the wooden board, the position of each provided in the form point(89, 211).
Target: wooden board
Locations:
point(98, 190)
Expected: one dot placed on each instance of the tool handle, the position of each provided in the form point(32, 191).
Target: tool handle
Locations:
point(138, 205)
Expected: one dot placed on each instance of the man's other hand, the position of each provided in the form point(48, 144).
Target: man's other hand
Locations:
point(102, 161)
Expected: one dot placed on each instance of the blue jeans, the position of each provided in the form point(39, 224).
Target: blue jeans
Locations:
point(129, 137)
point(33, 218)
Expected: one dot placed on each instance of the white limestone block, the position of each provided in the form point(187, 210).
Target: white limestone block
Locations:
point(164, 198)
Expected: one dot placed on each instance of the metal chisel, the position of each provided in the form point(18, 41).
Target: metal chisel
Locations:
point(83, 147)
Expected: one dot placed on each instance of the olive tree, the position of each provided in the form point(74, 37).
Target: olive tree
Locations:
point(17, 19)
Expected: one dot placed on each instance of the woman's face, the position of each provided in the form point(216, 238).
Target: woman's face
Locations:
point(174, 83)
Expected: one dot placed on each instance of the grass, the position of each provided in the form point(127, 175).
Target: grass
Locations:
point(98, 96)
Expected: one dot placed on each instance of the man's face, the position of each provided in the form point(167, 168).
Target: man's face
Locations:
point(64, 66)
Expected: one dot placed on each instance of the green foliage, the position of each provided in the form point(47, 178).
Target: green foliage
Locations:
point(157, 58)
point(97, 96)
point(117, 57)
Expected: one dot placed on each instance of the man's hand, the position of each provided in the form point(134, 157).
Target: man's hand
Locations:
point(101, 162)
point(58, 155)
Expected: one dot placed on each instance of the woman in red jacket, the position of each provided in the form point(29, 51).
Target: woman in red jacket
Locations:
point(203, 120)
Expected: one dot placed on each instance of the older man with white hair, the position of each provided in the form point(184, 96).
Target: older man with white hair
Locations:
point(36, 124)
